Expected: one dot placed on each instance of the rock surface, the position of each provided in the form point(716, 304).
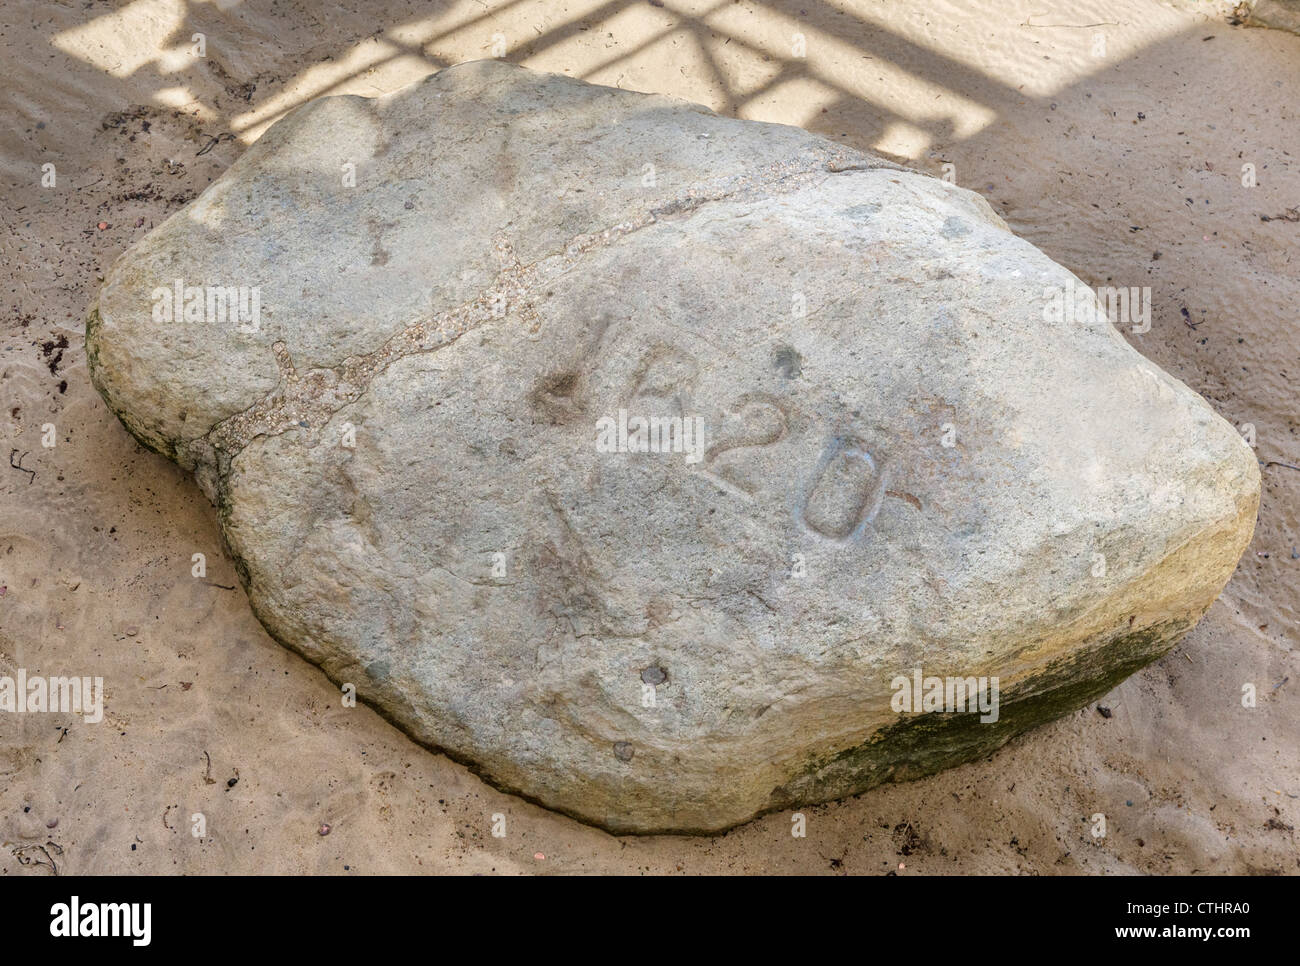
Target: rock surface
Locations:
point(1281, 14)
point(909, 460)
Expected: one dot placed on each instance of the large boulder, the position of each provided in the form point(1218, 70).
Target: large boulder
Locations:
point(899, 456)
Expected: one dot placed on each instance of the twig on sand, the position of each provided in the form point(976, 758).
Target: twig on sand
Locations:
point(19, 465)
point(213, 142)
point(23, 858)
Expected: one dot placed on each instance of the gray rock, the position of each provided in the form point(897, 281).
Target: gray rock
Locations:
point(1280, 14)
point(909, 460)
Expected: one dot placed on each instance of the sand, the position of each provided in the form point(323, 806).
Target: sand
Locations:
point(1120, 157)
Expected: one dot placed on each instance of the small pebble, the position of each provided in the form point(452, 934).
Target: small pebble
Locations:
point(323, 830)
point(52, 823)
point(102, 226)
point(132, 631)
point(539, 856)
point(623, 751)
point(654, 675)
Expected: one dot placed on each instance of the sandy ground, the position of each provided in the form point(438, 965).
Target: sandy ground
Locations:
point(1122, 158)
